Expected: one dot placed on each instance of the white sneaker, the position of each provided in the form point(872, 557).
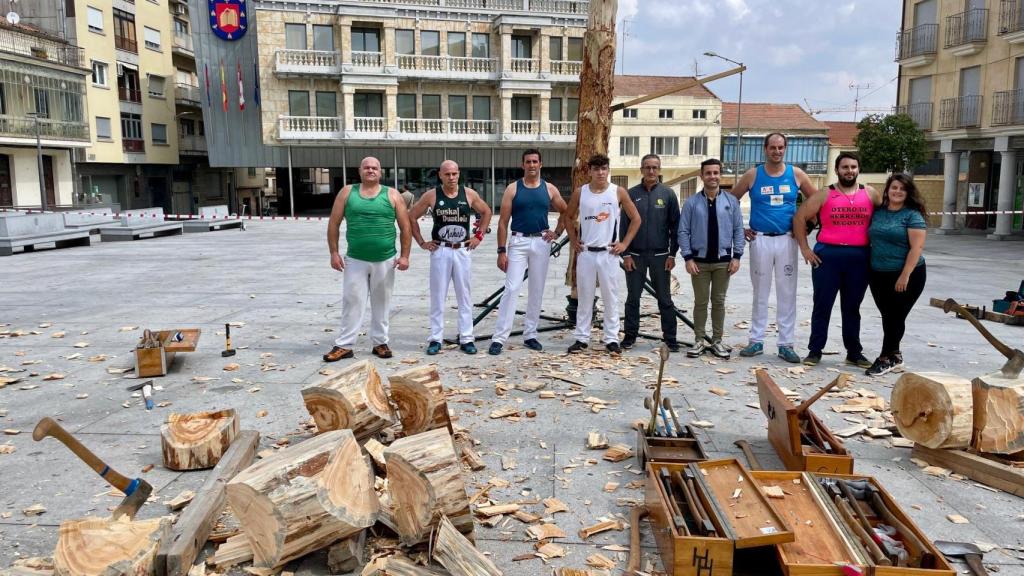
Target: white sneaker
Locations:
point(699, 348)
point(720, 350)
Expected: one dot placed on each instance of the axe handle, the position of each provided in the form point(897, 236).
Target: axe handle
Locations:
point(49, 427)
point(841, 379)
point(1003, 349)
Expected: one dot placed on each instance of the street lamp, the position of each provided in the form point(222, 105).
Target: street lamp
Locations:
point(739, 111)
point(39, 161)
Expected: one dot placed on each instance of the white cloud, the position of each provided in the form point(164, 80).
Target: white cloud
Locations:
point(847, 9)
point(785, 55)
point(738, 8)
point(628, 8)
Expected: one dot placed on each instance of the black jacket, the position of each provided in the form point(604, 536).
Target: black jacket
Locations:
point(659, 220)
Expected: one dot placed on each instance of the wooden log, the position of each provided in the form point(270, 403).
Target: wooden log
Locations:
point(987, 471)
point(180, 549)
point(998, 414)
point(197, 441)
point(458, 554)
point(597, 87)
point(304, 498)
point(424, 483)
point(353, 399)
point(933, 409)
point(349, 555)
point(108, 547)
point(420, 398)
point(234, 550)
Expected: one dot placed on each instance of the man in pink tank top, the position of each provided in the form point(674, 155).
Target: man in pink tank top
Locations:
point(840, 258)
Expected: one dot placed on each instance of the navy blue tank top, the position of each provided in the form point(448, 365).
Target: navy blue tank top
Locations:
point(530, 208)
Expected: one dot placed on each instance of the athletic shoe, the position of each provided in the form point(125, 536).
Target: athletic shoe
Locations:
point(630, 341)
point(533, 344)
point(753, 349)
point(720, 350)
point(858, 360)
point(494, 349)
point(433, 348)
point(699, 348)
point(882, 365)
point(468, 348)
point(897, 361)
point(577, 347)
point(812, 359)
point(673, 346)
point(613, 348)
point(788, 354)
point(337, 353)
point(382, 351)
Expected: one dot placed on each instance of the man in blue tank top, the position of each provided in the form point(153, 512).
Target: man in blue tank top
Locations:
point(773, 188)
point(525, 204)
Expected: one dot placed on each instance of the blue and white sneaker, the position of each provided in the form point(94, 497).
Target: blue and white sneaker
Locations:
point(788, 354)
point(495, 349)
point(753, 349)
point(433, 348)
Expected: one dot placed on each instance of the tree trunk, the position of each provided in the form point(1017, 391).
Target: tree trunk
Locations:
point(353, 399)
point(458, 554)
point(597, 86)
point(107, 547)
point(197, 441)
point(933, 409)
point(998, 414)
point(304, 498)
point(425, 482)
point(420, 398)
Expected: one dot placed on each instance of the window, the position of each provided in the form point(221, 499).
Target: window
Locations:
point(522, 108)
point(151, 37)
point(295, 36)
point(298, 103)
point(572, 109)
point(457, 44)
point(406, 104)
point(430, 43)
point(326, 104)
point(481, 107)
point(365, 39)
point(555, 47)
point(481, 45)
point(432, 106)
point(576, 49)
point(620, 181)
point(368, 105)
point(156, 86)
point(180, 27)
point(522, 47)
point(99, 73)
point(457, 107)
point(251, 171)
point(187, 127)
point(131, 126)
point(124, 31)
point(700, 114)
point(95, 19)
point(629, 113)
point(42, 98)
point(159, 133)
point(555, 110)
point(405, 42)
point(129, 87)
point(666, 113)
point(103, 128)
point(629, 146)
point(665, 146)
point(699, 146)
point(323, 38)
point(72, 102)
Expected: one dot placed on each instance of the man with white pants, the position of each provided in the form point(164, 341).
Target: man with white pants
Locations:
point(525, 205)
point(370, 211)
point(598, 205)
point(449, 246)
point(773, 188)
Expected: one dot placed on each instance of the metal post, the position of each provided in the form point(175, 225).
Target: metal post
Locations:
point(494, 189)
point(344, 169)
point(394, 151)
point(739, 132)
point(39, 161)
point(291, 185)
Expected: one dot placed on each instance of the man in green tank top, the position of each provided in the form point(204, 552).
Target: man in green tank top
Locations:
point(370, 211)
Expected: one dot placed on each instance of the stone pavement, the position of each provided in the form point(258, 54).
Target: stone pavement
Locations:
point(275, 281)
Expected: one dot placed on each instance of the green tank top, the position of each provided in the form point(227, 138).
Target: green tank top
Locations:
point(370, 226)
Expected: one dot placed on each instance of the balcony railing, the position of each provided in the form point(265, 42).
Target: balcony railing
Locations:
point(566, 67)
point(183, 41)
point(26, 127)
point(422, 125)
point(126, 94)
point(16, 42)
point(1008, 107)
point(560, 6)
point(581, 7)
point(308, 62)
point(370, 124)
point(192, 144)
point(133, 144)
point(920, 112)
point(962, 112)
point(310, 128)
point(466, 127)
point(525, 65)
point(490, 4)
point(918, 41)
point(966, 27)
point(559, 128)
point(1011, 17)
point(419, 62)
point(367, 59)
point(126, 44)
point(523, 127)
point(188, 94)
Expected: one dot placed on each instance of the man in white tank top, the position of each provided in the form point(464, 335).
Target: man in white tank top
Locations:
point(598, 205)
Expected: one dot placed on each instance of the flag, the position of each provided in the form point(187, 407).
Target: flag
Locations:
point(256, 81)
point(241, 88)
point(206, 72)
point(223, 88)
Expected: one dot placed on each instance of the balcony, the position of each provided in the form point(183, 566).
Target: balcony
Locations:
point(523, 67)
point(440, 67)
point(126, 44)
point(368, 127)
point(16, 42)
point(1008, 108)
point(21, 126)
point(919, 112)
point(523, 130)
point(422, 125)
point(560, 130)
point(580, 7)
point(188, 95)
point(307, 62)
point(133, 145)
point(917, 46)
point(126, 94)
point(1011, 21)
point(566, 68)
point(192, 145)
point(310, 128)
point(962, 112)
point(182, 44)
point(967, 32)
point(367, 59)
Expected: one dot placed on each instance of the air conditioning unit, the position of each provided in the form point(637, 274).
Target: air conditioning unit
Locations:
point(180, 9)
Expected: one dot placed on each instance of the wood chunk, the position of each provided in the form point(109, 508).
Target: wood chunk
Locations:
point(497, 509)
point(618, 453)
point(934, 409)
point(349, 555)
point(545, 531)
point(505, 412)
point(470, 456)
point(603, 526)
point(998, 414)
point(458, 554)
point(550, 550)
point(598, 560)
point(233, 551)
point(525, 517)
point(773, 491)
point(553, 505)
point(937, 471)
point(596, 441)
point(353, 399)
point(957, 519)
point(197, 441)
point(420, 398)
point(181, 500)
point(376, 451)
point(92, 546)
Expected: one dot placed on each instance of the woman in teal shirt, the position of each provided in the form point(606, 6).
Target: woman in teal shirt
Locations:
point(898, 274)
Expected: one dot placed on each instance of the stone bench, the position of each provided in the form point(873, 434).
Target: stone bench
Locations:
point(141, 224)
point(92, 220)
point(37, 230)
point(212, 218)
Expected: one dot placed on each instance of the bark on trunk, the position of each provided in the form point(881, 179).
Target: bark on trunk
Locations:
point(420, 398)
point(933, 409)
point(107, 547)
point(353, 399)
point(998, 414)
point(197, 441)
point(458, 554)
point(597, 85)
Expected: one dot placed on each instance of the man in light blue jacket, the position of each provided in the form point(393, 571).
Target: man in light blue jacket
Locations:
point(711, 242)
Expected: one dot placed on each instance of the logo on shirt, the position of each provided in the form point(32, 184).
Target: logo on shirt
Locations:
point(603, 213)
point(784, 188)
point(660, 202)
point(767, 190)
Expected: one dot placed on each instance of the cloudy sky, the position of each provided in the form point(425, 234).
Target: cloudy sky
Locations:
point(793, 49)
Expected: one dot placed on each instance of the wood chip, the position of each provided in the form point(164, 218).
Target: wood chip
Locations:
point(773, 492)
point(545, 531)
point(550, 551)
point(34, 510)
point(181, 500)
point(505, 412)
point(547, 395)
point(508, 463)
point(702, 424)
point(231, 367)
point(850, 430)
point(7, 448)
point(724, 370)
point(611, 487)
point(531, 386)
point(603, 526)
point(900, 442)
point(597, 441)
point(54, 376)
point(11, 432)
point(81, 344)
point(617, 453)
point(553, 505)
point(497, 509)
point(937, 471)
point(957, 519)
point(718, 391)
point(598, 560)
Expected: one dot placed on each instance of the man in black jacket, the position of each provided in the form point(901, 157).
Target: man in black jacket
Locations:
point(652, 252)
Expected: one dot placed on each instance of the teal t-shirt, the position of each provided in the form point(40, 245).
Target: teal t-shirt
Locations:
point(890, 242)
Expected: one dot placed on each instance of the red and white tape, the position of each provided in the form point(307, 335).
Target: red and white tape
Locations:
point(979, 213)
point(173, 216)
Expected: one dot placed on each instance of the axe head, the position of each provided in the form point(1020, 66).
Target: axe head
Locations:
point(136, 495)
point(957, 549)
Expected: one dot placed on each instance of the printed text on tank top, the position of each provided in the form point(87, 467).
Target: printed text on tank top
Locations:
point(451, 216)
point(845, 217)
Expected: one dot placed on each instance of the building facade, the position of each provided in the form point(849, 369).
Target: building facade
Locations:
point(962, 81)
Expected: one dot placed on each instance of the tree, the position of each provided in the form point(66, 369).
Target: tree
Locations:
point(890, 143)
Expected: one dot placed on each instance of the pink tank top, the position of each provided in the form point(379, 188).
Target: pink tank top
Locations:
point(845, 219)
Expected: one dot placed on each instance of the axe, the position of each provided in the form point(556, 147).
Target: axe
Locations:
point(1014, 357)
point(136, 491)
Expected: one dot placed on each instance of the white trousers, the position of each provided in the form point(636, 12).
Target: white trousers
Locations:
point(774, 257)
point(593, 268)
point(366, 279)
point(450, 266)
point(524, 254)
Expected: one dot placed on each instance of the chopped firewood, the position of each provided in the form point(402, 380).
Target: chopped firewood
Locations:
point(877, 432)
point(957, 519)
point(718, 391)
point(773, 492)
point(348, 555)
point(601, 527)
point(598, 560)
point(198, 440)
point(553, 505)
point(456, 553)
point(900, 442)
point(108, 546)
point(376, 451)
point(851, 430)
point(545, 531)
point(550, 550)
point(596, 441)
point(497, 509)
point(505, 412)
point(234, 550)
point(618, 453)
point(471, 457)
point(181, 500)
point(526, 517)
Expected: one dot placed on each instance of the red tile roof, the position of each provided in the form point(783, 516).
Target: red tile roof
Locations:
point(630, 85)
point(842, 133)
point(759, 116)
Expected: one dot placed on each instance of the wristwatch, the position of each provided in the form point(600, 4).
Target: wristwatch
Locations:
point(501, 250)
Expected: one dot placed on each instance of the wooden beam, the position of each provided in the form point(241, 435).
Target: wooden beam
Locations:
point(978, 468)
point(672, 89)
point(682, 177)
point(179, 551)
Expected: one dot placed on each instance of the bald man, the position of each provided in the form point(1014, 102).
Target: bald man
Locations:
point(370, 211)
point(449, 246)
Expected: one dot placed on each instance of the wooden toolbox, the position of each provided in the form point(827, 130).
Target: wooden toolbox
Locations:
point(824, 540)
point(684, 448)
point(800, 438)
point(741, 515)
point(156, 361)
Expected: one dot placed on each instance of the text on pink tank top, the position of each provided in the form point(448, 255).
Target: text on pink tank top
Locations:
point(845, 219)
